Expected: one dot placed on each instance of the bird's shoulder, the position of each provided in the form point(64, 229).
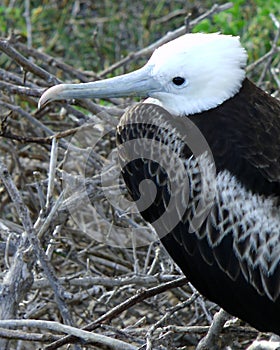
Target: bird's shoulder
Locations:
point(244, 136)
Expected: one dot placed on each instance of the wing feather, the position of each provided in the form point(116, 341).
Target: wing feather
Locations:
point(240, 238)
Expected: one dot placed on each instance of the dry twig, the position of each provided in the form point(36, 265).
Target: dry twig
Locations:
point(57, 222)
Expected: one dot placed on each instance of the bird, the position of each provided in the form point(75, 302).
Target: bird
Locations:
point(206, 142)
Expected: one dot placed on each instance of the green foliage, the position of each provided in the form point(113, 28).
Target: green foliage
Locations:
point(250, 20)
point(99, 33)
point(11, 17)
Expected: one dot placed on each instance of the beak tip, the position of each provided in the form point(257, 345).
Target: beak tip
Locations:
point(42, 102)
point(51, 94)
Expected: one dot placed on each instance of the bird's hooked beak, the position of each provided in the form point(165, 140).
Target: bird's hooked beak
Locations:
point(138, 83)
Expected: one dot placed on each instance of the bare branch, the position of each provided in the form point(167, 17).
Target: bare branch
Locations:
point(82, 334)
point(210, 340)
point(6, 47)
point(27, 224)
point(110, 289)
point(121, 308)
point(23, 335)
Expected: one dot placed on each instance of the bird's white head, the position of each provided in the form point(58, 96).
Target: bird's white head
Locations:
point(191, 74)
point(198, 72)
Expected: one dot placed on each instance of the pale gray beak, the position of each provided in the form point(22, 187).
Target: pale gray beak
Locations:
point(138, 83)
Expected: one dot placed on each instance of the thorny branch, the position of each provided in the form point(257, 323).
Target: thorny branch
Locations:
point(64, 234)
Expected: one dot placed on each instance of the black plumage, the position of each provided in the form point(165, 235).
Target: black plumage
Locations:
point(244, 136)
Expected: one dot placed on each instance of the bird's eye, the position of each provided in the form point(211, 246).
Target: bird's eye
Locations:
point(178, 81)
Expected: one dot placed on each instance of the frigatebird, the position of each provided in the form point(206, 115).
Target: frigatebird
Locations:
point(223, 227)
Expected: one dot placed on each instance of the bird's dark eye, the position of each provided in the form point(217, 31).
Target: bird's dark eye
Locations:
point(178, 81)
